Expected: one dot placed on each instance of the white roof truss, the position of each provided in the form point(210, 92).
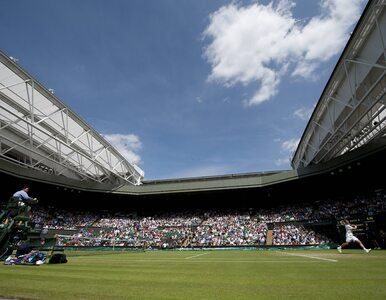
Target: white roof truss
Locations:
point(38, 131)
point(352, 109)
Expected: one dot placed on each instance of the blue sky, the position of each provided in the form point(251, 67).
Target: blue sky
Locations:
point(185, 88)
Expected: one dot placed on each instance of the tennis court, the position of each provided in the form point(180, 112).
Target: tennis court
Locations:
point(287, 274)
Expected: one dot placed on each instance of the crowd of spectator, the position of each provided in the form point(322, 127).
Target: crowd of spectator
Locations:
point(295, 234)
point(330, 209)
point(233, 229)
point(203, 228)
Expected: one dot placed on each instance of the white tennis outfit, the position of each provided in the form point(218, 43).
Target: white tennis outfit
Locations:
point(350, 237)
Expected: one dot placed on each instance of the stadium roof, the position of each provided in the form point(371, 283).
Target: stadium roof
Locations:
point(351, 110)
point(38, 131)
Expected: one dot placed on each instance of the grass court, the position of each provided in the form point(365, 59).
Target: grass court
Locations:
point(281, 274)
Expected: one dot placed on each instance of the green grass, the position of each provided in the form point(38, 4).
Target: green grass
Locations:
point(288, 274)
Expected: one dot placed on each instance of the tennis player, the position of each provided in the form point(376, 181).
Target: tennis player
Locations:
point(351, 238)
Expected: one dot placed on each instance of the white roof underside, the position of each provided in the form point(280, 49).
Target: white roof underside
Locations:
point(38, 131)
point(351, 110)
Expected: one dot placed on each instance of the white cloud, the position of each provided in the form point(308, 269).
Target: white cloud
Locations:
point(282, 161)
point(199, 99)
point(259, 43)
point(303, 113)
point(127, 144)
point(288, 148)
point(290, 145)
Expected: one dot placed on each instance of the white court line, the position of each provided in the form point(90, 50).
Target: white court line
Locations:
point(120, 262)
point(189, 257)
point(310, 256)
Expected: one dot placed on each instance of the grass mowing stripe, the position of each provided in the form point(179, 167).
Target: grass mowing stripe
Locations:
point(189, 257)
point(165, 260)
point(310, 256)
point(225, 275)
